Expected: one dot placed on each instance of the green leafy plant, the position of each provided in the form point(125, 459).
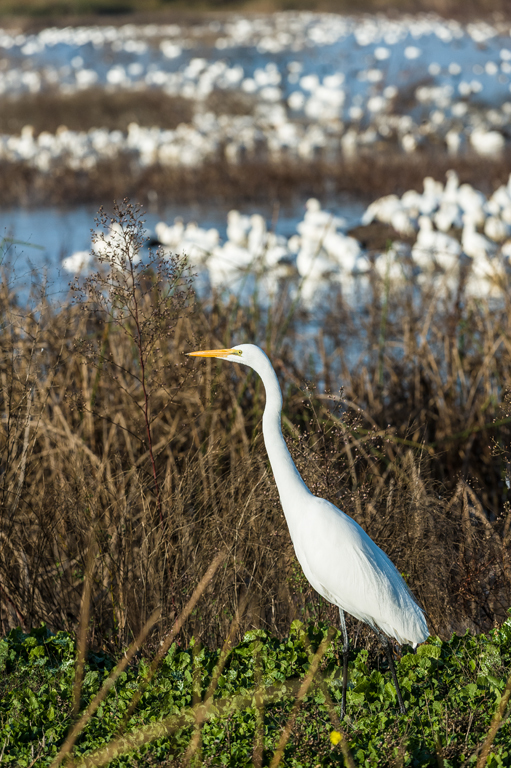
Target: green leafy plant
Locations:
point(456, 709)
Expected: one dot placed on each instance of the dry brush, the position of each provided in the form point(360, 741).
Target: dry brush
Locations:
point(113, 442)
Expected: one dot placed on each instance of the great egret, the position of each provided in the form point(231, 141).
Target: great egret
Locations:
point(337, 556)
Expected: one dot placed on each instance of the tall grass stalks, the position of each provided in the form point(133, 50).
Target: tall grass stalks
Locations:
point(411, 438)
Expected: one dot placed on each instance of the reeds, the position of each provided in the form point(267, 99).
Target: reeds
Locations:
point(162, 477)
point(93, 108)
point(32, 14)
point(256, 181)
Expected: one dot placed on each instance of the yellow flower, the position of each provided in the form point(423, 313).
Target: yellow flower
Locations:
point(335, 737)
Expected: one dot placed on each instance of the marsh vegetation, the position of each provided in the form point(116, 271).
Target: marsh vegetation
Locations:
point(127, 471)
point(398, 413)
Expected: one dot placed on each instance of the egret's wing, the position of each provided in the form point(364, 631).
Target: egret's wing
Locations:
point(348, 569)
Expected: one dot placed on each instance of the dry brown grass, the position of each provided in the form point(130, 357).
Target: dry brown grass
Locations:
point(415, 447)
point(369, 175)
point(223, 102)
point(93, 108)
point(33, 14)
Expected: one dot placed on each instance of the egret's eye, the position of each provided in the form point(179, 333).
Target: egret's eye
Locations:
point(237, 352)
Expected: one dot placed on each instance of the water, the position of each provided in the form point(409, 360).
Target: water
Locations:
point(404, 51)
point(45, 236)
point(363, 79)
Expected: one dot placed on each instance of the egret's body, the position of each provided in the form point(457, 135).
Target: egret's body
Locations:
point(346, 567)
point(337, 556)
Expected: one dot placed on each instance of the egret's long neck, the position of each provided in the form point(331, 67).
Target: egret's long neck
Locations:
point(287, 477)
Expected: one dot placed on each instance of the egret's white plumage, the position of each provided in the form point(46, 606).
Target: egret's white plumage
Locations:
point(337, 556)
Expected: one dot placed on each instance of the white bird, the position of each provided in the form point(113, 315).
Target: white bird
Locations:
point(227, 263)
point(487, 277)
point(502, 196)
point(506, 250)
point(411, 201)
point(382, 210)
point(472, 202)
point(404, 222)
point(454, 140)
point(238, 227)
point(449, 215)
point(276, 255)
point(496, 229)
point(393, 265)
point(344, 250)
point(198, 244)
point(474, 243)
point(317, 270)
point(337, 556)
point(450, 193)
point(170, 235)
point(77, 262)
point(312, 261)
point(486, 268)
point(487, 143)
point(431, 196)
point(316, 219)
point(258, 235)
point(115, 247)
point(434, 248)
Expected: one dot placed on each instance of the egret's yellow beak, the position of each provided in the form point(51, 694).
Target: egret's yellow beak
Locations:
point(214, 353)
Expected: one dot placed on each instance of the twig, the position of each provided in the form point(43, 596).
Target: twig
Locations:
point(258, 750)
point(107, 685)
point(286, 733)
point(82, 626)
point(184, 719)
point(498, 718)
point(176, 628)
point(203, 712)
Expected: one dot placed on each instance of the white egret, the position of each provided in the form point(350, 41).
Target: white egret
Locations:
point(337, 556)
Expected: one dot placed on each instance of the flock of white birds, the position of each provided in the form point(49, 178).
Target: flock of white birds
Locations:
point(449, 231)
point(323, 85)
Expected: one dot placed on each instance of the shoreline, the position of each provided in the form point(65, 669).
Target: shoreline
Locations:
point(31, 17)
point(367, 177)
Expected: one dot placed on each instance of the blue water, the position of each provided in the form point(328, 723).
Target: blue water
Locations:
point(45, 236)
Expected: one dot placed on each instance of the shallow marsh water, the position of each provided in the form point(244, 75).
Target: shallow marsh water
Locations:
point(45, 236)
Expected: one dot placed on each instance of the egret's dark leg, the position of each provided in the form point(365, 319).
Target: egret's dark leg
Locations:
point(345, 651)
point(388, 650)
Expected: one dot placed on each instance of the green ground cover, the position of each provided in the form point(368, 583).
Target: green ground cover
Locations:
point(452, 690)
